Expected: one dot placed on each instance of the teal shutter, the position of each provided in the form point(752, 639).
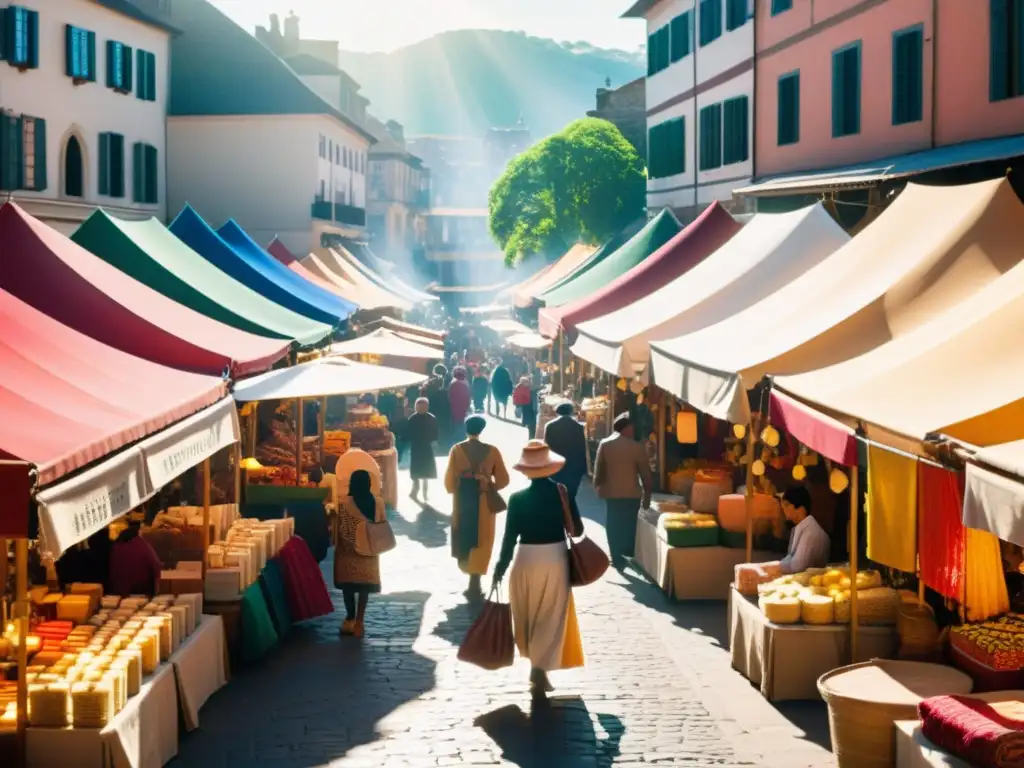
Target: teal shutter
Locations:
point(652, 41)
point(126, 75)
point(138, 172)
point(680, 36)
point(846, 91)
point(32, 39)
point(104, 166)
point(1017, 31)
point(735, 14)
point(152, 175)
point(907, 76)
point(4, 48)
point(112, 67)
point(40, 154)
point(678, 145)
point(90, 56)
point(999, 50)
point(140, 89)
point(737, 135)
point(779, 6)
point(10, 152)
point(789, 109)
point(71, 51)
point(117, 172)
point(652, 135)
point(151, 76)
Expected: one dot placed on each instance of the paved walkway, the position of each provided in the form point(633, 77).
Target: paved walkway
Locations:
point(657, 688)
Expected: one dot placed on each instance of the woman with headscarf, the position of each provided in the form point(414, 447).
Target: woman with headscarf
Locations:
point(356, 575)
point(543, 610)
point(436, 392)
point(475, 474)
point(421, 434)
point(458, 402)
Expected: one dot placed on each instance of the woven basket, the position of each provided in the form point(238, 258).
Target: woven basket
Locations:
point(918, 632)
point(864, 700)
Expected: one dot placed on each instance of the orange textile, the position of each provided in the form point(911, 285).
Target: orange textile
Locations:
point(940, 534)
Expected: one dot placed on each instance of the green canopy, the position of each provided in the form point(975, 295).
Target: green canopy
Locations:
point(149, 252)
point(613, 259)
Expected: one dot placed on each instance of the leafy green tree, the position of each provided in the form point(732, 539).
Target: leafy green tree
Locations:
point(583, 184)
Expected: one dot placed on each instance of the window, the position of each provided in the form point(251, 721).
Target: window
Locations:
point(736, 14)
point(1006, 49)
point(74, 173)
point(145, 63)
point(111, 181)
point(666, 149)
point(20, 38)
point(145, 174)
point(337, 155)
point(22, 153)
point(80, 65)
point(846, 91)
point(711, 137)
point(907, 76)
point(781, 6)
point(736, 143)
point(789, 109)
point(344, 157)
point(710, 21)
point(119, 66)
point(682, 36)
point(658, 50)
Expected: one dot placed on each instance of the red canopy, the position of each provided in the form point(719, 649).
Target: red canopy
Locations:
point(43, 268)
point(705, 235)
point(280, 251)
point(67, 400)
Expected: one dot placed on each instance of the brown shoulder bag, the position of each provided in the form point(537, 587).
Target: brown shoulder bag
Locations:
point(587, 561)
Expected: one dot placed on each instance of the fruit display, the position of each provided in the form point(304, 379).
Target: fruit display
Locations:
point(279, 449)
point(368, 430)
point(748, 577)
point(998, 644)
point(689, 529)
point(337, 442)
point(823, 595)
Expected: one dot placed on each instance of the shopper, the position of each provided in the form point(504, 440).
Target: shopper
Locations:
point(475, 474)
point(501, 388)
point(459, 401)
point(480, 387)
point(421, 433)
point(436, 391)
point(524, 397)
point(543, 610)
point(566, 437)
point(622, 477)
point(357, 576)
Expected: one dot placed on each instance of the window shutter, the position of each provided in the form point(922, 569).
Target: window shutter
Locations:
point(152, 175)
point(907, 77)
point(71, 51)
point(111, 64)
point(151, 76)
point(999, 50)
point(140, 89)
point(851, 91)
point(4, 17)
point(837, 94)
point(91, 56)
point(32, 38)
point(104, 166)
point(651, 43)
point(128, 67)
point(40, 154)
point(116, 165)
point(10, 157)
point(1018, 45)
point(138, 172)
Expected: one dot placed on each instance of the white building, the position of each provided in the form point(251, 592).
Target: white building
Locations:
point(249, 140)
point(700, 101)
point(83, 93)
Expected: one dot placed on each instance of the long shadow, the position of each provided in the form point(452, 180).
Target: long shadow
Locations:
point(556, 733)
point(318, 696)
point(430, 528)
point(457, 619)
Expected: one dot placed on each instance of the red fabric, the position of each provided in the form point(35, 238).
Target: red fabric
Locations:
point(521, 395)
point(705, 235)
point(973, 730)
point(940, 534)
point(15, 485)
point(43, 268)
point(134, 568)
point(303, 581)
point(819, 432)
point(278, 250)
point(459, 400)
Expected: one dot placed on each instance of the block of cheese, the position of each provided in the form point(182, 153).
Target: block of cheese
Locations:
point(48, 705)
point(149, 644)
point(117, 677)
point(240, 558)
point(165, 631)
point(131, 658)
point(780, 610)
point(74, 608)
point(224, 584)
point(705, 494)
point(195, 600)
point(180, 615)
point(111, 601)
point(92, 705)
point(93, 591)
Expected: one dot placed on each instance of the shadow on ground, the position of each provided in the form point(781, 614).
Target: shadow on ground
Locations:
point(429, 528)
point(558, 732)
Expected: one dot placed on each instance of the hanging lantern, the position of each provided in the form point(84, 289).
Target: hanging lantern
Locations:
point(770, 436)
point(739, 431)
point(799, 472)
point(838, 481)
point(758, 468)
point(686, 427)
point(636, 386)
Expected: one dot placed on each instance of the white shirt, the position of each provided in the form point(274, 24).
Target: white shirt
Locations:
point(809, 547)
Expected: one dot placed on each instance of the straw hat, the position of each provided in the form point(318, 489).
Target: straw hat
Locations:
point(537, 460)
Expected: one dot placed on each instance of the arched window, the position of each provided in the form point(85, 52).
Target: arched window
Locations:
point(74, 172)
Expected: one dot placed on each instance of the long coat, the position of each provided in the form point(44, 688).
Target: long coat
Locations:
point(566, 437)
point(421, 433)
point(487, 460)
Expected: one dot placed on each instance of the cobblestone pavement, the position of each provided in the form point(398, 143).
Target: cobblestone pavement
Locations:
point(657, 688)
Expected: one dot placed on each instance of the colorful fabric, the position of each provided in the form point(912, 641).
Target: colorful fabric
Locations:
point(892, 509)
point(980, 732)
point(940, 533)
point(303, 581)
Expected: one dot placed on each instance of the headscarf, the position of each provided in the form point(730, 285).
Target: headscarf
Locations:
point(459, 373)
point(360, 490)
point(422, 405)
point(475, 425)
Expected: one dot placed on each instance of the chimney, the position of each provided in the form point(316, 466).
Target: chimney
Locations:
point(396, 132)
point(291, 27)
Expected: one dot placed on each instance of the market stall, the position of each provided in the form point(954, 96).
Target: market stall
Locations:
point(386, 279)
point(286, 258)
point(387, 348)
point(524, 293)
point(326, 264)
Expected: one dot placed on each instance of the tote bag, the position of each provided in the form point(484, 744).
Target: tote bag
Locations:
point(587, 561)
point(489, 642)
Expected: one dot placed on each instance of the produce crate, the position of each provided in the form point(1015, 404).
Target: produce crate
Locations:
point(732, 540)
point(691, 537)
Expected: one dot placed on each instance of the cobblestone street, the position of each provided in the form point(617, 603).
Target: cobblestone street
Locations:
point(657, 688)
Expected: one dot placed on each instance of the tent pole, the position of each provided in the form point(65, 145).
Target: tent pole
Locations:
point(561, 363)
point(238, 480)
point(323, 429)
point(748, 492)
point(21, 613)
point(854, 557)
point(206, 514)
point(298, 441)
point(662, 429)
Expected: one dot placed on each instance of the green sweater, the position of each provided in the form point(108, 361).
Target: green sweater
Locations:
point(535, 516)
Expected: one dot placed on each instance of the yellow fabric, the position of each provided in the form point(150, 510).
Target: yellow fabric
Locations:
point(892, 509)
point(985, 594)
point(493, 467)
point(572, 648)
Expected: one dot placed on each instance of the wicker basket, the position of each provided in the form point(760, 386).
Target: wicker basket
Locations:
point(864, 700)
point(918, 632)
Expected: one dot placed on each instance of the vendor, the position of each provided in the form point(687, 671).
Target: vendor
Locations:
point(809, 545)
point(134, 566)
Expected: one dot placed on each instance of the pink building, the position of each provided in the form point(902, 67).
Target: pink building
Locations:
point(843, 83)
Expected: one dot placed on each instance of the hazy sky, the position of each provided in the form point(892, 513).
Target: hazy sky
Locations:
point(383, 25)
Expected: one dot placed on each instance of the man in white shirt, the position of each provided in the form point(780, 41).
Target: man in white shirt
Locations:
point(809, 545)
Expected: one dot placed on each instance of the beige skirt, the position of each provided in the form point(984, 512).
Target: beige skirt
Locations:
point(543, 611)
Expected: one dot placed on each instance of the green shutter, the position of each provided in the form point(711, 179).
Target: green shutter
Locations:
point(70, 52)
point(128, 67)
point(91, 56)
point(140, 89)
point(138, 172)
point(736, 115)
point(652, 134)
point(789, 109)
point(112, 74)
point(32, 33)
point(999, 50)
point(10, 152)
point(1018, 46)
point(40, 154)
point(679, 40)
point(651, 43)
point(779, 6)
point(151, 76)
point(116, 165)
point(846, 91)
point(104, 165)
point(152, 175)
point(907, 76)
point(735, 14)
point(4, 20)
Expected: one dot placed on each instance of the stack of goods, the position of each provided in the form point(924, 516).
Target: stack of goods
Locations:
point(283, 475)
point(765, 512)
point(368, 429)
point(279, 449)
point(822, 596)
point(749, 576)
point(708, 485)
point(87, 668)
point(992, 652)
point(595, 416)
point(304, 581)
point(689, 529)
point(982, 729)
point(337, 442)
point(176, 536)
point(235, 563)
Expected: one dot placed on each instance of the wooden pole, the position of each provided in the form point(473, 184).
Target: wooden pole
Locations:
point(854, 557)
point(206, 514)
point(238, 485)
point(254, 427)
point(299, 442)
point(748, 492)
point(662, 430)
point(323, 429)
point(561, 362)
point(21, 614)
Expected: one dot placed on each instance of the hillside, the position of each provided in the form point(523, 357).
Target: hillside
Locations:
point(465, 81)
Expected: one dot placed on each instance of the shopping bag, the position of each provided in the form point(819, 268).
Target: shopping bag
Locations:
point(489, 642)
point(587, 561)
point(374, 539)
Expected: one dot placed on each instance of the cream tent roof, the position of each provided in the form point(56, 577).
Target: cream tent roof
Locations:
point(326, 377)
point(524, 293)
point(390, 282)
point(326, 264)
point(933, 248)
point(529, 340)
point(387, 343)
point(994, 491)
point(506, 325)
point(768, 253)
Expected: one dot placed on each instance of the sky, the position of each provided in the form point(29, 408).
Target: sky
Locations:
point(383, 25)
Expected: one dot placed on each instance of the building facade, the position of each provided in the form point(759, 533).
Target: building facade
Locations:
point(699, 101)
point(83, 108)
point(625, 108)
point(399, 194)
point(251, 140)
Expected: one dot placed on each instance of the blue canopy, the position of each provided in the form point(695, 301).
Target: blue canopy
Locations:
point(190, 228)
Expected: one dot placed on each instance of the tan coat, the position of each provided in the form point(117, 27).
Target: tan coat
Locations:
point(621, 469)
point(493, 468)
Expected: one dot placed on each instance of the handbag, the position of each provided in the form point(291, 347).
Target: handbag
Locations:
point(373, 538)
point(489, 642)
point(587, 561)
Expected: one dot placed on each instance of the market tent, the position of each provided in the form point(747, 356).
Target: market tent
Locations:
point(286, 258)
point(359, 288)
point(386, 279)
point(505, 325)
point(932, 248)
point(590, 279)
point(60, 278)
point(523, 295)
point(330, 303)
point(190, 228)
point(384, 343)
point(147, 251)
point(399, 326)
point(994, 491)
point(679, 255)
point(528, 341)
point(324, 378)
point(767, 254)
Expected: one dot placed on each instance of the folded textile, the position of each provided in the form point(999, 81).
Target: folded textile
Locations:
point(982, 732)
point(303, 581)
point(940, 533)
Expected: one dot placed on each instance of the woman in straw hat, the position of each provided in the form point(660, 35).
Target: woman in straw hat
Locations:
point(543, 611)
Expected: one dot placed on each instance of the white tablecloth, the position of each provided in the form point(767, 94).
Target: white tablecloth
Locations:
point(388, 463)
point(143, 735)
point(200, 668)
point(913, 750)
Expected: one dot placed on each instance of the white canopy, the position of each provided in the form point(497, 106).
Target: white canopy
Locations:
point(768, 253)
point(506, 325)
point(994, 500)
point(386, 343)
point(324, 378)
point(528, 341)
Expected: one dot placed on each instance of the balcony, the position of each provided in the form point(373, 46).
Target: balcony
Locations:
point(349, 214)
point(321, 209)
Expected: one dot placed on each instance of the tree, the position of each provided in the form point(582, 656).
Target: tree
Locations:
point(583, 184)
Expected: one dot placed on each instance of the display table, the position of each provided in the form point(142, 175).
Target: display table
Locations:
point(787, 660)
point(388, 463)
point(688, 573)
point(143, 735)
point(200, 667)
point(913, 750)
